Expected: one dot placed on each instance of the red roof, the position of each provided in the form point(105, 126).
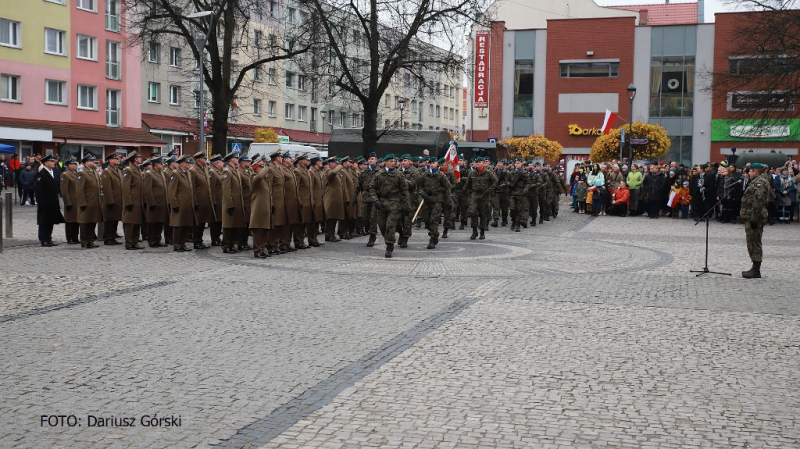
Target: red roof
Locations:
point(660, 14)
point(190, 125)
point(81, 132)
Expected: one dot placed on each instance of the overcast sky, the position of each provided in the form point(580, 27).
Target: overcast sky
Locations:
point(712, 6)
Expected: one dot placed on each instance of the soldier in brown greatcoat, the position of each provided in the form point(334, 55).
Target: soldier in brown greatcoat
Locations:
point(181, 203)
point(260, 208)
point(317, 203)
point(204, 205)
point(246, 175)
point(276, 177)
point(333, 198)
point(144, 167)
point(90, 207)
point(215, 185)
point(347, 224)
point(112, 199)
point(69, 184)
point(232, 203)
point(132, 211)
point(154, 189)
point(304, 201)
point(171, 165)
point(291, 201)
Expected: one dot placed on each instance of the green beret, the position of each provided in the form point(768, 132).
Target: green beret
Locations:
point(389, 157)
point(758, 166)
point(406, 156)
point(441, 161)
point(537, 164)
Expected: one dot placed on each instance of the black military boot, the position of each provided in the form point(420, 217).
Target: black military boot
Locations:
point(754, 272)
point(515, 227)
point(431, 243)
point(524, 224)
point(389, 249)
point(452, 224)
point(461, 227)
point(444, 234)
point(504, 222)
point(555, 214)
point(419, 223)
point(474, 234)
point(494, 223)
point(371, 241)
point(546, 218)
point(403, 243)
point(482, 235)
point(541, 219)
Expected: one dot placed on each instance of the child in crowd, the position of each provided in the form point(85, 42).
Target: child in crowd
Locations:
point(685, 199)
point(581, 192)
point(675, 196)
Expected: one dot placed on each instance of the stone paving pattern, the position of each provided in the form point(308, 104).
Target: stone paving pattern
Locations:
point(577, 333)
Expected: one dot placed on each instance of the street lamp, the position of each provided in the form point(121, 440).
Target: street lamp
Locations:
point(631, 96)
point(201, 46)
point(401, 102)
point(322, 113)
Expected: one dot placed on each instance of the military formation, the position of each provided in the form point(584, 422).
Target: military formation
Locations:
point(285, 204)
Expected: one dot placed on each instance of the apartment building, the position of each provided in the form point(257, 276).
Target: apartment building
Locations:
point(69, 84)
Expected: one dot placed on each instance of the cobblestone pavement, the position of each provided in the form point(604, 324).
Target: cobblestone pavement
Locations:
point(580, 332)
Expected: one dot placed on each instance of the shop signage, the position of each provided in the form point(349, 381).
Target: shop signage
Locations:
point(760, 101)
point(775, 130)
point(481, 99)
point(575, 130)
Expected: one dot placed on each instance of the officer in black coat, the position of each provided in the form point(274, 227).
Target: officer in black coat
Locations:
point(48, 213)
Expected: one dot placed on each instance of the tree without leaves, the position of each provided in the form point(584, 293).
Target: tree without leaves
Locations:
point(372, 43)
point(229, 40)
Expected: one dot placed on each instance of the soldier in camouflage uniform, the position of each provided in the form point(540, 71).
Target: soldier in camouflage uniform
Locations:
point(479, 185)
point(534, 192)
point(462, 198)
point(368, 212)
point(500, 196)
point(544, 193)
point(410, 173)
point(433, 187)
point(559, 187)
point(393, 201)
point(519, 184)
point(449, 205)
point(754, 213)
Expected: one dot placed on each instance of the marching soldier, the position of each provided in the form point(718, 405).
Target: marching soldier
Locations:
point(754, 212)
point(432, 186)
point(245, 174)
point(500, 196)
point(390, 187)
point(290, 199)
point(449, 206)
point(276, 177)
point(317, 202)
point(333, 181)
point(519, 183)
point(462, 198)
point(204, 204)
point(132, 201)
point(362, 187)
point(540, 204)
point(181, 203)
point(112, 199)
point(69, 184)
point(215, 187)
point(90, 206)
point(480, 185)
point(154, 189)
point(232, 204)
point(410, 173)
point(558, 187)
point(260, 208)
point(305, 201)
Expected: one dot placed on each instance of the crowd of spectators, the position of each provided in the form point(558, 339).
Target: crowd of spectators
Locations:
point(674, 190)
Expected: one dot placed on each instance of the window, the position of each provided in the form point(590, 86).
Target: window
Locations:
point(113, 60)
point(196, 99)
point(113, 109)
point(589, 69)
point(302, 17)
point(438, 111)
point(758, 65)
point(523, 88)
point(302, 113)
point(88, 5)
point(301, 82)
point(11, 88)
point(54, 92)
point(271, 76)
point(54, 42)
point(87, 97)
point(154, 92)
point(174, 95)
point(10, 33)
point(87, 47)
point(273, 8)
point(430, 110)
point(289, 79)
point(154, 53)
point(273, 40)
point(174, 57)
point(314, 96)
point(342, 117)
point(257, 73)
point(289, 114)
point(290, 15)
point(256, 106)
point(112, 15)
point(257, 38)
point(672, 86)
point(271, 108)
point(330, 117)
point(386, 100)
point(59, 2)
point(357, 121)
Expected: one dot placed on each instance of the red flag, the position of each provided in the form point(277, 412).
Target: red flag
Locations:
point(608, 122)
point(452, 158)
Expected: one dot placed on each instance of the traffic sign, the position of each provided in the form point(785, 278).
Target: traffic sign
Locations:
point(236, 147)
point(492, 140)
point(639, 141)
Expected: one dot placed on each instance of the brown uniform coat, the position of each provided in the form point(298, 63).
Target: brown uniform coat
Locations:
point(318, 205)
point(232, 201)
point(155, 196)
point(69, 185)
point(132, 195)
point(304, 194)
point(112, 194)
point(202, 194)
point(349, 189)
point(215, 185)
point(181, 198)
point(276, 176)
point(88, 194)
point(261, 203)
point(334, 193)
point(247, 190)
point(290, 196)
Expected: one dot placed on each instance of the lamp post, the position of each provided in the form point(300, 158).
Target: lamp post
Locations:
point(322, 113)
point(201, 46)
point(631, 96)
point(401, 103)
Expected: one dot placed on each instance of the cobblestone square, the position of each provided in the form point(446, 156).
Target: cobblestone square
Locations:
point(580, 332)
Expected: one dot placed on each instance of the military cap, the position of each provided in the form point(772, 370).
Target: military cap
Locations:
point(546, 164)
point(172, 153)
point(361, 161)
point(230, 156)
point(758, 166)
point(332, 159)
point(88, 157)
point(345, 159)
point(71, 160)
point(537, 164)
point(145, 163)
point(440, 161)
point(131, 156)
point(432, 159)
point(390, 156)
point(49, 157)
point(372, 154)
point(325, 161)
point(200, 155)
point(418, 159)
point(301, 157)
point(287, 154)
point(185, 158)
point(245, 158)
point(112, 156)
point(405, 156)
point(257, 159)
point(156, 160)
point(275, 154)
point(314, 159)
point(215, 158)
point(171, 159)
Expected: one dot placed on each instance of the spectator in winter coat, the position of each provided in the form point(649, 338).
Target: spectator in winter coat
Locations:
point(27, 179)
point(620, 201)
point(580, 193)
point(634, 182)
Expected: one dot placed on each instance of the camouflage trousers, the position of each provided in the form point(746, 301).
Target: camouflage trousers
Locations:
point(462, 207)
point(519, 208)
point(389, 221)
point(370, 216)
point(430, 213)
point(752, 233)
point(480, 209)
point(544, 206)
point(533, 207)
point(449, 210)
point(500, 203)
point(554, 197)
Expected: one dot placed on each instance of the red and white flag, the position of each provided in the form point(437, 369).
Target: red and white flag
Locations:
point(452, 158)
point(608, 122)
point(673, 199)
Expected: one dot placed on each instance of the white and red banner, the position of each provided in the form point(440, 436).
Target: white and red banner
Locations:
point(608, 122)
point(452, 158)
point(673, 199)
point(481, 99)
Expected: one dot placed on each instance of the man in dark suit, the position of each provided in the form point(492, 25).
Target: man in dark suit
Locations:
point(48, 213)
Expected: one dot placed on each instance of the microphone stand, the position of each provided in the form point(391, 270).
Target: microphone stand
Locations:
point(707, 216)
